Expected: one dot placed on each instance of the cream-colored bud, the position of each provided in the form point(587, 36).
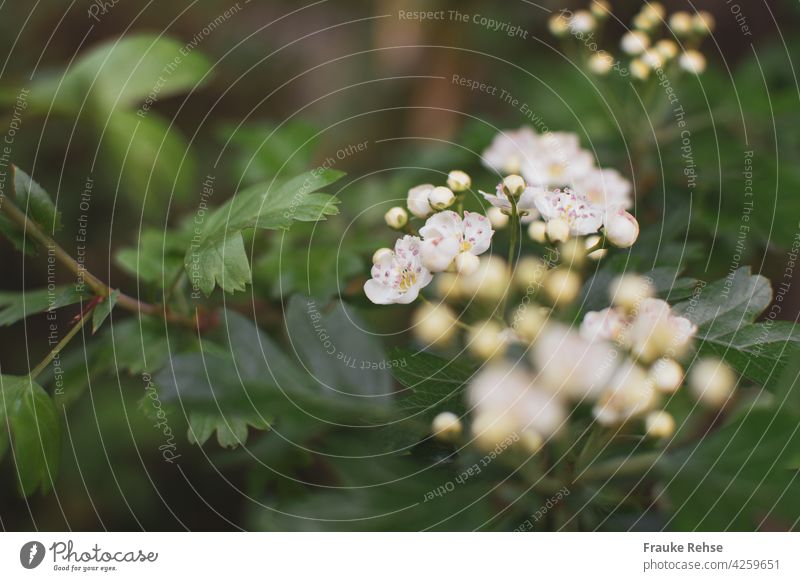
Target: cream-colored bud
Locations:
point(681, 23)
point(489, 283)
point(591, 242)
point(703, 22)
point(628, 290)
point(561, 286)
point(528, 322)
point(667, 375)
point(381, 254)
point(693, 61)
point(639, 70)
point(582, 22)
point(659, 424)
point(654, 10)
point(537, 231)
point(644, 22)
point(530, 272)
point(396, 218)
point(601, 63)
point(447, 427)
point(497, 218)
point(441, 198)
point(711, 381)
point(458, 181)
point(558, 25)
point(448, 286)
point(514, 185)
point(434, 324)
point(486, 340)
point(531, 441)
point(573, 252)
point(653, 59)
point(668, 49)
point(490, 430)
point(635, 42)
point(600, 8)
point(557, 230)
point(621, 228)
point(467, 263)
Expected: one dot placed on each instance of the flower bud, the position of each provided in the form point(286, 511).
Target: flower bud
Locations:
point(458, 181)
point(380, 254)
point(489, 430)
point(644, 22)
point(572, 252)
point(635, 42)
point(629, 290)
point(653, 59)
point(562, 286)
point(441, 198)
point(558, 25)
point(659, 424)
point(448, 286)
point(396, 218)
point(654, 10)
point(530, 321)
point(557, 230)
point(667, 48)
point(582, 22)
point(667, 375)
point(591, 242)
point(681, 23)
point(467, 263)
point(489, 283)
point(531, 441)
point(537, 231)
point(497, 218)
point(600, 8)
point(621, 228)
point(639, 70)
point(530, 271)
point(418, 200)
point(601, 63)
point(711, 381)
point(514, 185)
point(703, 22)
point(693, 61)
point(434, 324)
point(447, 427)
point(486, 340)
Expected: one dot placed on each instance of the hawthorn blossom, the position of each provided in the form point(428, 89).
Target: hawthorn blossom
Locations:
point(581, 215)
point(629, 393)
point(419, 200)
point(655, 331)
point(510, 150)
point(447, 236)
point(606, 188)
point(557, 160)
point(397, 277)
point(607, 324)
point(571, 365)
point(526, 204)
point(620, 227)
point(507, 401)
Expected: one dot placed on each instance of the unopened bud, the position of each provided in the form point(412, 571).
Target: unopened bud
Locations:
point(558, 25)
point(667, 375)
point(537, 231)
point(635, 42)
point(447, 427)
point(486, 340)
point(621, 228)
point(530, 321)
point(557, 230)
point(562, 286)
point(396, 218)
point(532, 441)
point(681, 23)
point(711, 381)
point(703, 22)
point(434, 324)
point(659, 425)
point(497, 218)
point(601, 63)
point(467, 263)
point(600, 8)
point(441, 198)
point(458, 181)
point(629, 290)
point(381, 254)
point(514, 185)
point(693, 61)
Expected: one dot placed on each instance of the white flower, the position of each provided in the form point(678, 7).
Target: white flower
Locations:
point(582, 21)
point(507, 396)
point(446, 426)
point(629, 393)
point(635, 42)
point(667, 48)
point(397, 277)
point(557, 160)
point(601, 63)
point(509, 150)
point(606, 324)
point(419, 200)
point(582, 216)
point(656, 332)
point(526, 204)
point(659, 424)
point(711, 381)
point(693, 61)
point(621, 228)
point(681, 23)
point(606, 187)
point(445, 236)
point(570, 365)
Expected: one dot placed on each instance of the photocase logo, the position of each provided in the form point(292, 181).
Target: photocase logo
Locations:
point(31, 554)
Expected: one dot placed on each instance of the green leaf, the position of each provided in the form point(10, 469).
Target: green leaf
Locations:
point(433, 384)
point(35, 203)
point(231, 429)
point(158, 255)
point(16, 306)
point(124, 72)
point(217, 254)
point(27, 413)
point(103, 310)
point(337, 351)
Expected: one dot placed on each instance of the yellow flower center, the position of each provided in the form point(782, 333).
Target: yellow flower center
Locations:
point(408, 278)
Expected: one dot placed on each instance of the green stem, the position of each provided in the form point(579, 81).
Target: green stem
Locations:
point(63, 343)
point(621, 467)
point(512, 249)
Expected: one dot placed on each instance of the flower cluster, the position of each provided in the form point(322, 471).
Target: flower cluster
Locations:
point(641, 43)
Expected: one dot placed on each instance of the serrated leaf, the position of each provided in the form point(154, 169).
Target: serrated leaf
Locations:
point(231, 429)
point(16, 306)
point(28, 414)
point(217, 255)
point(31, 199)
point(158, 254)
point(103, 310)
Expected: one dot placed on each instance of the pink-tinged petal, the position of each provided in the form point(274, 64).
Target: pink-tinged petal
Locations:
point(380, 294)
point(477, 233)
point(439, 253)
